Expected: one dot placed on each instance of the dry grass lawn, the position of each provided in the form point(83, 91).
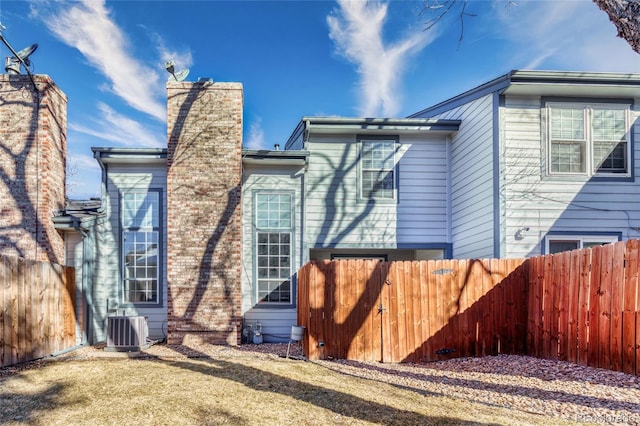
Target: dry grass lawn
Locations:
point(225, 390)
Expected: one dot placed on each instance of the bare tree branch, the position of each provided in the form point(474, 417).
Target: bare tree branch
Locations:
point(625, 15)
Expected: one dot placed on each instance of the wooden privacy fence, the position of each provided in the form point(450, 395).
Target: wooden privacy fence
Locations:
point(580, 306)
point(411, 311)
point(37, 316)
point(583, 307)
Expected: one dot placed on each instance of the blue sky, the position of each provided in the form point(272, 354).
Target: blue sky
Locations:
point(294, 58)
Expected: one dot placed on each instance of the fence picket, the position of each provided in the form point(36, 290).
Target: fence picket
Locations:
point(583, 306)
point(547, 308)
point(534, 323)
point(604, 319)
point(13, 301)
point(629, 306)
point(573, 289)
point(486, 306)
point(4, 317)
point(402, 344)
point(428, 307)
point(617, 302)
point(414, 316)
point(562, 277)
point(318, 315)
point(594, 307)
point(464, 313)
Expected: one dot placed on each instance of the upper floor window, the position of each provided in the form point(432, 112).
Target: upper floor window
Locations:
point(588, 139)
point(377, 169)
point(273, 247)
point(141, 246)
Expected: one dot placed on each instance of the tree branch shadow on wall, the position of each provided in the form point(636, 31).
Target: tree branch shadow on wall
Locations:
point(17, 181)
point(217, 258)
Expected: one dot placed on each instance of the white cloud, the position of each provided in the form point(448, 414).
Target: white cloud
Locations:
point(356, 27)
point(182, 59)
point(88, 27)
point(129, 132)
point(569, 35)
point(255, 137)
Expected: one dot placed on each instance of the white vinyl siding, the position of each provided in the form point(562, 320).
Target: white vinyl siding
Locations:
point(555, 205)
point(336, 217)
point(472, 183)
point(423, 196)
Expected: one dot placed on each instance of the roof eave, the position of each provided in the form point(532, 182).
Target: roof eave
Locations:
point(275, 157)
point(130, 155)
point(544, 83)
point(340, 125)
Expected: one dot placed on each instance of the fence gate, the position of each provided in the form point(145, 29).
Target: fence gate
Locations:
point(412, 311)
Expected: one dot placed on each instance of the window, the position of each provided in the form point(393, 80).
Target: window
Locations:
point(273, 251)
point(378, 169)
point(560, 243)
point(588, 139)
point(141, 246)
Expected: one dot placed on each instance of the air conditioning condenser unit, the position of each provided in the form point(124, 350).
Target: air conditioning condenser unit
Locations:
point(125, 333)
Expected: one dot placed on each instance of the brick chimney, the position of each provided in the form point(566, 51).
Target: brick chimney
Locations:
point(33, 127)
point(204, 239)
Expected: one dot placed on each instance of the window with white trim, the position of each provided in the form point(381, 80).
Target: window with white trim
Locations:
point(274, 226)
point(377, 169)
point(588, 139)
point(560, 243)
point(140, 246)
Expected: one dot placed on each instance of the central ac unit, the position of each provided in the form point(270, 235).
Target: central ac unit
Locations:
point(126, 333)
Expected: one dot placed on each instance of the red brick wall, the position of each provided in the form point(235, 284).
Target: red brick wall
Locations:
point(204, 241)
point(32, 167)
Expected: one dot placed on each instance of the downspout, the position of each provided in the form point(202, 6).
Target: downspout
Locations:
point(82, 231)
point(87, 318)
point(304, 246)
point(101, 211)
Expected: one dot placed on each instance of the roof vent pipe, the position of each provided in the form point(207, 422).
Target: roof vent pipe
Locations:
point(277, 147)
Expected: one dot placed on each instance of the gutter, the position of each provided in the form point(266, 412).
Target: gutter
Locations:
point(275, 158)
point(336, 125)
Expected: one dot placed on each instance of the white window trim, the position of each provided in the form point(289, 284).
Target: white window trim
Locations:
point(588, 107)
point(603, 239)
point(152, 228)
point(276, 280)
point(394, 169)
point(270, 230)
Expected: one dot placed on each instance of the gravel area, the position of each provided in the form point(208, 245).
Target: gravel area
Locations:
point(555, 388)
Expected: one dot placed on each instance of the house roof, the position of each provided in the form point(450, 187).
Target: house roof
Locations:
point(275, 157)
point(359, 125)
point(547, 83)
point(78, 214)
point(130, 155)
